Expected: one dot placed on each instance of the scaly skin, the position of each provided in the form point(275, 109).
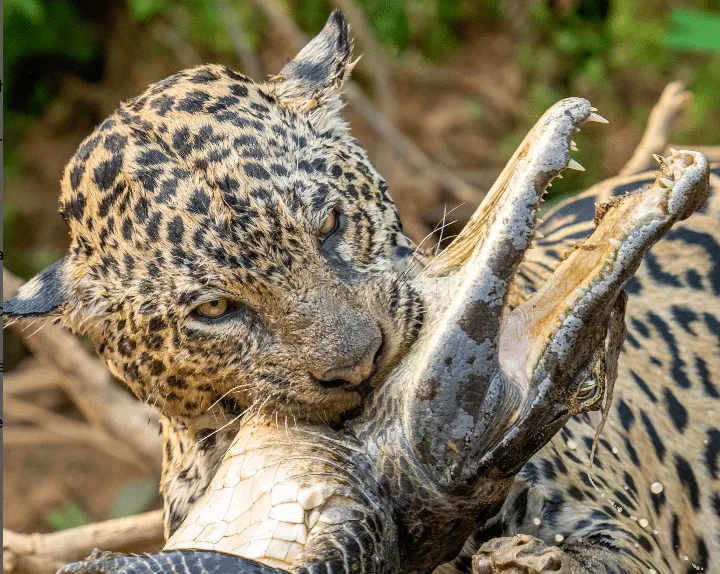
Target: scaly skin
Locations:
point(483, 388)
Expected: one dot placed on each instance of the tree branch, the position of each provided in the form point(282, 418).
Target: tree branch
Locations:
point(672, 102)
point(46, 553)
point(79, 432)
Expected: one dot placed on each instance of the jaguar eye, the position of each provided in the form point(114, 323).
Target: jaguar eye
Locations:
point(213, 309)
point(330, 225)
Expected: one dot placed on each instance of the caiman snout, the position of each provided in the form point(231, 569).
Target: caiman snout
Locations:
point(354, 372)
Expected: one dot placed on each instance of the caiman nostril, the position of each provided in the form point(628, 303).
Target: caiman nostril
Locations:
point(353, 375)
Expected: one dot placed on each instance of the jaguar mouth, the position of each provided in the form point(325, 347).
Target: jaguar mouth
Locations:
point(337, 384)
point(363, 386)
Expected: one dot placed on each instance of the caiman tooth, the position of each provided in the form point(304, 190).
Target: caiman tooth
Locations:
point(669, 183)
point(658, 158)
point(539, 235)
point(615, 242)
point(597, 118)
point(540, 220)
point(573, 145)
point(572, 164)
point(560, 176)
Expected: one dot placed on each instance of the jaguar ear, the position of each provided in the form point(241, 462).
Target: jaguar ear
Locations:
point(44, 295)
point(317, 73)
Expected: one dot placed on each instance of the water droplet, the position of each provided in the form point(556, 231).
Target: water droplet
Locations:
point(685, 557)
point(571, 444)
point(559, 538)
point(536, 521)
point(655, 531)
point(626, 487)
point(637, 545)
point(615, 450)
point(656, 488)
point(643, 522)
point(652, 571)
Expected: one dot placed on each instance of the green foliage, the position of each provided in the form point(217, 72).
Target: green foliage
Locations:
point(69, 515)
point(134, 497)
point(197, 20)
point(389, 22)
point(693, 30)
point(31, 10)
point(47, 29)
point(425, 25)
point(611, 52)
point(145, 9)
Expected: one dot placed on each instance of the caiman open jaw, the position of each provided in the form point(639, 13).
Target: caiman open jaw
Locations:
point(458, 393)
point(548, 344)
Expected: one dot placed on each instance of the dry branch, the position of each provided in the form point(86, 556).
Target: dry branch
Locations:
point(16, 409)
point(16, 435)
point(499, 96)
point(92, 387)
point(406, 148)
point(46, 553)
point(36, 377)
point(662, 117)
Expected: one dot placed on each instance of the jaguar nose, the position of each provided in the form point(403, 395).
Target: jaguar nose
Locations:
point(352, 375)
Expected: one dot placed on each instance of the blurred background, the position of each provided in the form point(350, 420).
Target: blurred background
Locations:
point(444, 93)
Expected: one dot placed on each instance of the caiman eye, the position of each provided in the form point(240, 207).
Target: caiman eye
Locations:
point(330, 225)
point(213, 309)
point(588, 390)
